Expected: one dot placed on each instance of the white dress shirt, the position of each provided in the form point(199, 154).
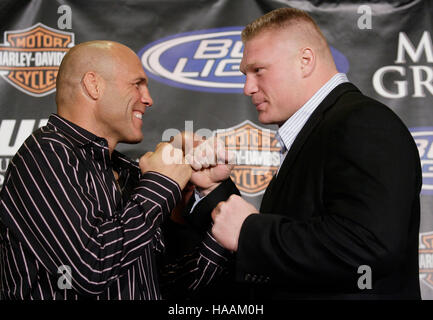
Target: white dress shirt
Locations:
point(288, 132)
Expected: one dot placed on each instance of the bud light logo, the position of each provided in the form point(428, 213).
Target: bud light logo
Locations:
point(205, 60)
point(424, 140)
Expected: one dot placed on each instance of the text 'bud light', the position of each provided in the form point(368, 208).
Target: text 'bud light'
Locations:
point(205, 60)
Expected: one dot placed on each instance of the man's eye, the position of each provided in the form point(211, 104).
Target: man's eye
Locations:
point(257, 70)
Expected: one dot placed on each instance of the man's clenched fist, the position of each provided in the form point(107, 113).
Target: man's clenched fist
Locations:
point(168, 161)
point(228, 217)
point(210, 160)
point(212, 164)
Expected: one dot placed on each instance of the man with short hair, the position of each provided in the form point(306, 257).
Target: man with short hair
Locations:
point(74, 207)
point(346, 196)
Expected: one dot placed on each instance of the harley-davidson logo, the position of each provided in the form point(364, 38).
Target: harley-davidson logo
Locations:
point(257, 156)
point(426, 258)
point(30, 58)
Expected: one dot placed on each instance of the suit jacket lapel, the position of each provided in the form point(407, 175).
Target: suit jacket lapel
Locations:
point(267, 197)
point(315, 118)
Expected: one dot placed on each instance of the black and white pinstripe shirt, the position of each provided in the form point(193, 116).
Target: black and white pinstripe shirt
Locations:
point(61, 206)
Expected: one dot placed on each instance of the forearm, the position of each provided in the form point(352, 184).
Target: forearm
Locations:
point(200, 217)
point(193, 258)
point(187, 273)
point(319, 252)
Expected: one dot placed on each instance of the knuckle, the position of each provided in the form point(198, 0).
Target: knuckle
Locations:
point(164, 146)
point(219, 205)
point(212, 214)
point(233, 197)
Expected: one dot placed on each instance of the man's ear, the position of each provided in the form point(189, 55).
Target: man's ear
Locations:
point(308, 61)
point(92, 85)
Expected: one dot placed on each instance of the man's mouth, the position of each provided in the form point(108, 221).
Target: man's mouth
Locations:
point(260, 105)
point(138, 115)
point(258, 101)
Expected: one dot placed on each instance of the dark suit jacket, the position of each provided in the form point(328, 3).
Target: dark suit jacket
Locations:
point(346, 195)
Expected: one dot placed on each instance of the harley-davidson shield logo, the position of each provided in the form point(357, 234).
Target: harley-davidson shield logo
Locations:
point(257, 156)
point(30, 58)
point(426, 258)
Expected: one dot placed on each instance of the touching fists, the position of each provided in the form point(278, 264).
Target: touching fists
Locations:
point(168, 161)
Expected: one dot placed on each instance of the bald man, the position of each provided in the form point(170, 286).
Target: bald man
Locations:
point(340, 219)
point(77, 218)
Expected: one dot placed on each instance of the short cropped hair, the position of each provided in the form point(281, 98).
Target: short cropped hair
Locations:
point(279, 19)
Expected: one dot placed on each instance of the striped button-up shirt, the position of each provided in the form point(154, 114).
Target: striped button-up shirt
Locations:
point(288, 132)
point(62, 209)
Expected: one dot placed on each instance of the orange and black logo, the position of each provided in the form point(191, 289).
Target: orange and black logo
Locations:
point(257, 156)
point(426, 258)
point(30, 58)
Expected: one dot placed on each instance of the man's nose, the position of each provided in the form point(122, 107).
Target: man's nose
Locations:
point(250, 86)
point(146, 99)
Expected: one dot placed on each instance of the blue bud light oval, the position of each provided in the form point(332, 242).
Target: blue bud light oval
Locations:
point(205, 60)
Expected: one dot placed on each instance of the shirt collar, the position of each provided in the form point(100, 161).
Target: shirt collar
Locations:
point(120, 161)
point(79, 136)
point(289, 130)
point(83, 138)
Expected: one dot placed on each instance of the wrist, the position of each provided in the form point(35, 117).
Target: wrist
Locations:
point(205, 191)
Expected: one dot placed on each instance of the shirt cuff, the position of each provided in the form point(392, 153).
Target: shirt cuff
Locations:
point(213, 252)
point(197, 198)
point(158, 189)
point(200, 217)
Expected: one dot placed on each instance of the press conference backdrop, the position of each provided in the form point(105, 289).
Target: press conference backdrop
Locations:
point(191, 51)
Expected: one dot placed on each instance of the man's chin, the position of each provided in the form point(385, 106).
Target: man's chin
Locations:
point(133, 140)
point(263, 120)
